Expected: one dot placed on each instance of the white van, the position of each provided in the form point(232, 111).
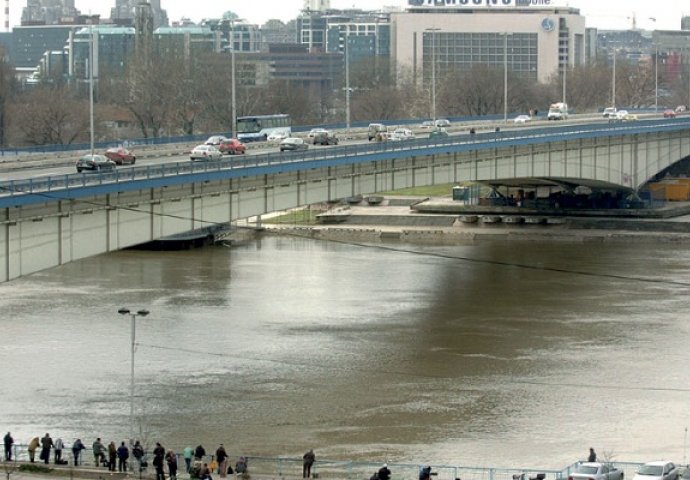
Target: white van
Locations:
point(375, 129)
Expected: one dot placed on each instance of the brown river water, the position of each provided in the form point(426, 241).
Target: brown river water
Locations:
point(492, 354)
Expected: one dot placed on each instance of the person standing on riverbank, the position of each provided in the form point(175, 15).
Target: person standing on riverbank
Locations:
point(171, 459)
point(33, 446)
point(77, 447)
point(222, 459)
point(188, 453)
point(98, 451)
point(46, 445)
point(122, 456)
point(59, 445)
point(9, 441)
point(308, 460)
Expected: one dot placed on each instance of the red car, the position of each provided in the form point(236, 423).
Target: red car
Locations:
point(232, 146)
point(120, 155)
point(669, 113)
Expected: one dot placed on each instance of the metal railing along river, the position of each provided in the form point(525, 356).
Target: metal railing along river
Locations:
point(287, 467)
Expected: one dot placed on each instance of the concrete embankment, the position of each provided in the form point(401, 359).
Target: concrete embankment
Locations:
point(392, 221)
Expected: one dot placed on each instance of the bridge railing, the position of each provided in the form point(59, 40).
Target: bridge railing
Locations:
point(346, 153)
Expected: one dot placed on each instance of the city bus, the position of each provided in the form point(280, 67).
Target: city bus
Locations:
point(259, 127)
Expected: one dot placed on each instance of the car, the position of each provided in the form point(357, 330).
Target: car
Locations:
point(314, 132)
point(293, 143)
point(325, 137)
point(232, 146)
point(680, 109)
point(276, 136)
point(120, 155)
point(427, 124)
point(596, 471)
point(659, 470)
point(205, 152)
point(668, 113)
point(609, 111)
point(442, 122)
point(94, 163)
point(629, 117)
point(618, 116)
point(375, 129)
point(215, 140)
point(438, 133)
point(403, 133)
point(522, 119)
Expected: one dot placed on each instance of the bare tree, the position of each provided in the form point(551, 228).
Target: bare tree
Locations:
point(49, 115)
point(7, 91)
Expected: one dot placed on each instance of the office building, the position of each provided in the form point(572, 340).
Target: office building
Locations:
point(536, 41)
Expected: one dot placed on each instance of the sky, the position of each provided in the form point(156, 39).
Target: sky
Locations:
point(606, 14)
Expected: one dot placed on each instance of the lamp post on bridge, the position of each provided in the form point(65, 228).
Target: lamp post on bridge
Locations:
point(133, 316)
point(433, 71)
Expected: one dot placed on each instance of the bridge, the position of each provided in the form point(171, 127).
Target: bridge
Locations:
point(51, 220)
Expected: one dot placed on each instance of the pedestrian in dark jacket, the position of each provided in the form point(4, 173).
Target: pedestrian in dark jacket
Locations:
point(46, 445)
point(122, 456)
point(158, 465)
point(9, 441)
point(199, 452)
point(112, 456)
point(77, 447)
point(222, 459)
point(592, 455)
point(384, 472)
point(138, 453)
point(308, 460)
point(171, 458)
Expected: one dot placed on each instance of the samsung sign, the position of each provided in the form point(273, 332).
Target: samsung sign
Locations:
point(481, 3)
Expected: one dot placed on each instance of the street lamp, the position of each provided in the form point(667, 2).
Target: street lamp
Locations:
point(347, 78)
point(433, 70)
point(656, 78)
point(91, 55)
point(133, 316)
point(232, 75)
point(505, 77)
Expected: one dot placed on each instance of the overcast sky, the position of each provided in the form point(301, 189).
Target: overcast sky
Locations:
point(615, 14)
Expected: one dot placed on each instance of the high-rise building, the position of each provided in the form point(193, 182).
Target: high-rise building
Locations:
point(124, 12)
point(317, 5)
point(49, 12)
point(685, 23)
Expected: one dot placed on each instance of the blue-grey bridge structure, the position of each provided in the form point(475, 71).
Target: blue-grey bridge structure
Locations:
point(53, 220)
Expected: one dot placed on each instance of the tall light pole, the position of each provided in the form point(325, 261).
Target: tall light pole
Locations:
point(91, 55)
point(347, 78)
point(613, 83)
point(656, 78)
point(232, 77)
point(433, 71)
point(133, 316)
point(505, 77)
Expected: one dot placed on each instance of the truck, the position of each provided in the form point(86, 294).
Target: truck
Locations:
point(558, 111)
point(596, 471)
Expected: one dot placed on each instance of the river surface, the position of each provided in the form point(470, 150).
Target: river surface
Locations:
point(492, 354)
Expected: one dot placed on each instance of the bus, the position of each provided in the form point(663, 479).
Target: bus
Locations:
point(259, 127)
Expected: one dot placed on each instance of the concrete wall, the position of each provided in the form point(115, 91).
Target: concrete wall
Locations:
point(41, 236)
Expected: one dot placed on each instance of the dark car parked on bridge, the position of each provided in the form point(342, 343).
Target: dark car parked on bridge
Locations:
point(95, 163)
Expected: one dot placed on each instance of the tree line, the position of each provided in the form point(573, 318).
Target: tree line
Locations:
point(170, 96)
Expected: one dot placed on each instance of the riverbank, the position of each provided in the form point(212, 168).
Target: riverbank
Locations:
point(446, 222)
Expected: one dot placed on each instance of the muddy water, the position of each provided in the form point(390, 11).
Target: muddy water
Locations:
point(492, 354)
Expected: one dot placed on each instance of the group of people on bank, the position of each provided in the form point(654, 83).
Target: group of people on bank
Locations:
point(117, 458)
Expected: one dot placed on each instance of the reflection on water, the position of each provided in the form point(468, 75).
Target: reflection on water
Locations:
point(494, 354)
